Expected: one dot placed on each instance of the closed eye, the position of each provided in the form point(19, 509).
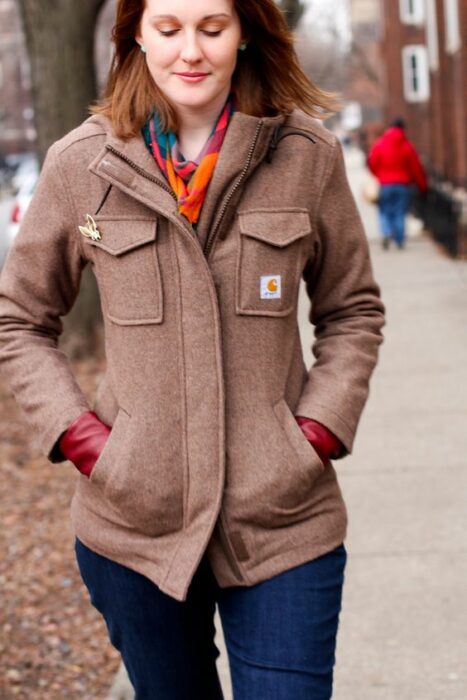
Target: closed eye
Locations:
point(172, 32)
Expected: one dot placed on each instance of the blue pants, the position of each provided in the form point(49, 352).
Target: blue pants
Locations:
point(394, 202)
point(280, 634)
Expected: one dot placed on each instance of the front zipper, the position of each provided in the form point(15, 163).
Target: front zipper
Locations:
point(156, 180)
point(151, 178)
point(213, 232)
point(140, 171)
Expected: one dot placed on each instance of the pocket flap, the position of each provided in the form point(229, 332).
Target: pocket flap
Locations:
point(279, 228)
point(119, 235)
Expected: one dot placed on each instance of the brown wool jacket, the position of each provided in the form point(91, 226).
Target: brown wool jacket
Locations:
point(204, 364)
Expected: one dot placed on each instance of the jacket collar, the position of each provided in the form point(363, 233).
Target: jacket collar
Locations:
point(129, 166)
point(245, 146)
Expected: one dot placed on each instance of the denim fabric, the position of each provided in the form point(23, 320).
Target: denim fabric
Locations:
point(394, 202)
point(280, 634)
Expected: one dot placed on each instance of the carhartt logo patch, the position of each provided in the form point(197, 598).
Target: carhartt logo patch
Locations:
point(270, 286)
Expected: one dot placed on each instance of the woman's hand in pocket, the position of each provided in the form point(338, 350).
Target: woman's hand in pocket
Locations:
point(326, 444)
point(84, 440)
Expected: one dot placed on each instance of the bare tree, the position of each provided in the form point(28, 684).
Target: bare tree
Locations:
point(360, 61)
point(322, 57)
point(60, 42)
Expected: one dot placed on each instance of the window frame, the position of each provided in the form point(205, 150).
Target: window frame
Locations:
point(415, 67)
point(412, 12)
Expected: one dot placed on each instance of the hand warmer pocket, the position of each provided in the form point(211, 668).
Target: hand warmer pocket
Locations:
point(112, 451)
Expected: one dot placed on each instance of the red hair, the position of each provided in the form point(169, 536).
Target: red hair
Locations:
point(268, 79)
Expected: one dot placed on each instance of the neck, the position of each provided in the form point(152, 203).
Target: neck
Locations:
point(195, 125)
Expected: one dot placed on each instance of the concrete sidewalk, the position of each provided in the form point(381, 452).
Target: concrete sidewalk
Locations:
point(403, 631)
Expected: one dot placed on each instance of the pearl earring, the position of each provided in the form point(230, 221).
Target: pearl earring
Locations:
point(243, 46)
point(143, 48)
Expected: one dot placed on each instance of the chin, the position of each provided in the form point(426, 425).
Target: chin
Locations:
point(193, 99)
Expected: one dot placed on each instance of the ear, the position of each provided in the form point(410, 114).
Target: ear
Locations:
point(139, 41)
point(138, 35)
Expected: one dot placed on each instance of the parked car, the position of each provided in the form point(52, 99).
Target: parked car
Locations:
point(27, 185)
point(6, 175)
point(24, 166)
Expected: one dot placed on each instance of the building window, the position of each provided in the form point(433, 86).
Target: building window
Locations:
point(452, 31)
point(412, 11)
point(415, 73)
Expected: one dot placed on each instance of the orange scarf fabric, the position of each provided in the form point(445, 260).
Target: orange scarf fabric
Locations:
point(188, 179)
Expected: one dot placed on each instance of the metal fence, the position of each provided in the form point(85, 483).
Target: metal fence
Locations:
point(444, 216)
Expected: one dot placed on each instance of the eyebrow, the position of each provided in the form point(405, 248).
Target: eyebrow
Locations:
point(218, 14)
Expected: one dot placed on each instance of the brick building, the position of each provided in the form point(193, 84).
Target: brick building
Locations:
point(424, 47)
point(424, 51)
point(364, 82)
point(364, 85)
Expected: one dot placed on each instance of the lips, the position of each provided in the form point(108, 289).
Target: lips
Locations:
point(193, 77)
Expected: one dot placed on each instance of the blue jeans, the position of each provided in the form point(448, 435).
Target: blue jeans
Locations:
point(280, 634)
point(394, 202)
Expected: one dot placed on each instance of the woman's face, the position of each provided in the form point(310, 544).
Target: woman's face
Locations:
point(191, 49)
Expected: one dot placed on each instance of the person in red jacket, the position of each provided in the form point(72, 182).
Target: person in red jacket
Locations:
point(394, 161)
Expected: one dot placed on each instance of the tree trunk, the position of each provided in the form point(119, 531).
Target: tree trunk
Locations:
point(293, 11)
point(60, 41)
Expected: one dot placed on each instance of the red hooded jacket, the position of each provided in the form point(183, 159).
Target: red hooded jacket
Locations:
point(393, 160)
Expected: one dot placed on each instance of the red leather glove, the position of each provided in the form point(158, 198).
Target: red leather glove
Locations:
point(83, 441)
point(325, 443)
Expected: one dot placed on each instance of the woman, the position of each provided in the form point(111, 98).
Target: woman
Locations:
point(394, 161)
point(215, 484)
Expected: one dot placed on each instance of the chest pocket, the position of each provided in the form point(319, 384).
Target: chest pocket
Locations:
point(270, 260)
point(127, 270)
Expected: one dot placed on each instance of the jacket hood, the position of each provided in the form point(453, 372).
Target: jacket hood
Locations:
point(395, 134)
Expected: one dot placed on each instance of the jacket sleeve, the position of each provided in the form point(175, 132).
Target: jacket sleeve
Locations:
point(38, 285)
point(373, 160)
point(346, 311)
point(417, 171)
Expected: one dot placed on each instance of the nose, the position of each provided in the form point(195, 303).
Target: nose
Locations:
point(191, 50)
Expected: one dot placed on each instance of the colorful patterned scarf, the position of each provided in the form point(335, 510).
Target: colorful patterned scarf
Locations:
point(188, 179)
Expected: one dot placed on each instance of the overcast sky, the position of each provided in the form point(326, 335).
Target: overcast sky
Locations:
point(328, 12)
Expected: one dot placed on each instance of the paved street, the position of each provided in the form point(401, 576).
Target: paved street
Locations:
point(403, 634)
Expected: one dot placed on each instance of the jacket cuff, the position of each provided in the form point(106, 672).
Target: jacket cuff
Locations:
point(330, 419)
point(323, 440)
point(50, 441)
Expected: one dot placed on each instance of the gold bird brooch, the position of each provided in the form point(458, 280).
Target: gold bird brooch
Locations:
point(90, 230)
